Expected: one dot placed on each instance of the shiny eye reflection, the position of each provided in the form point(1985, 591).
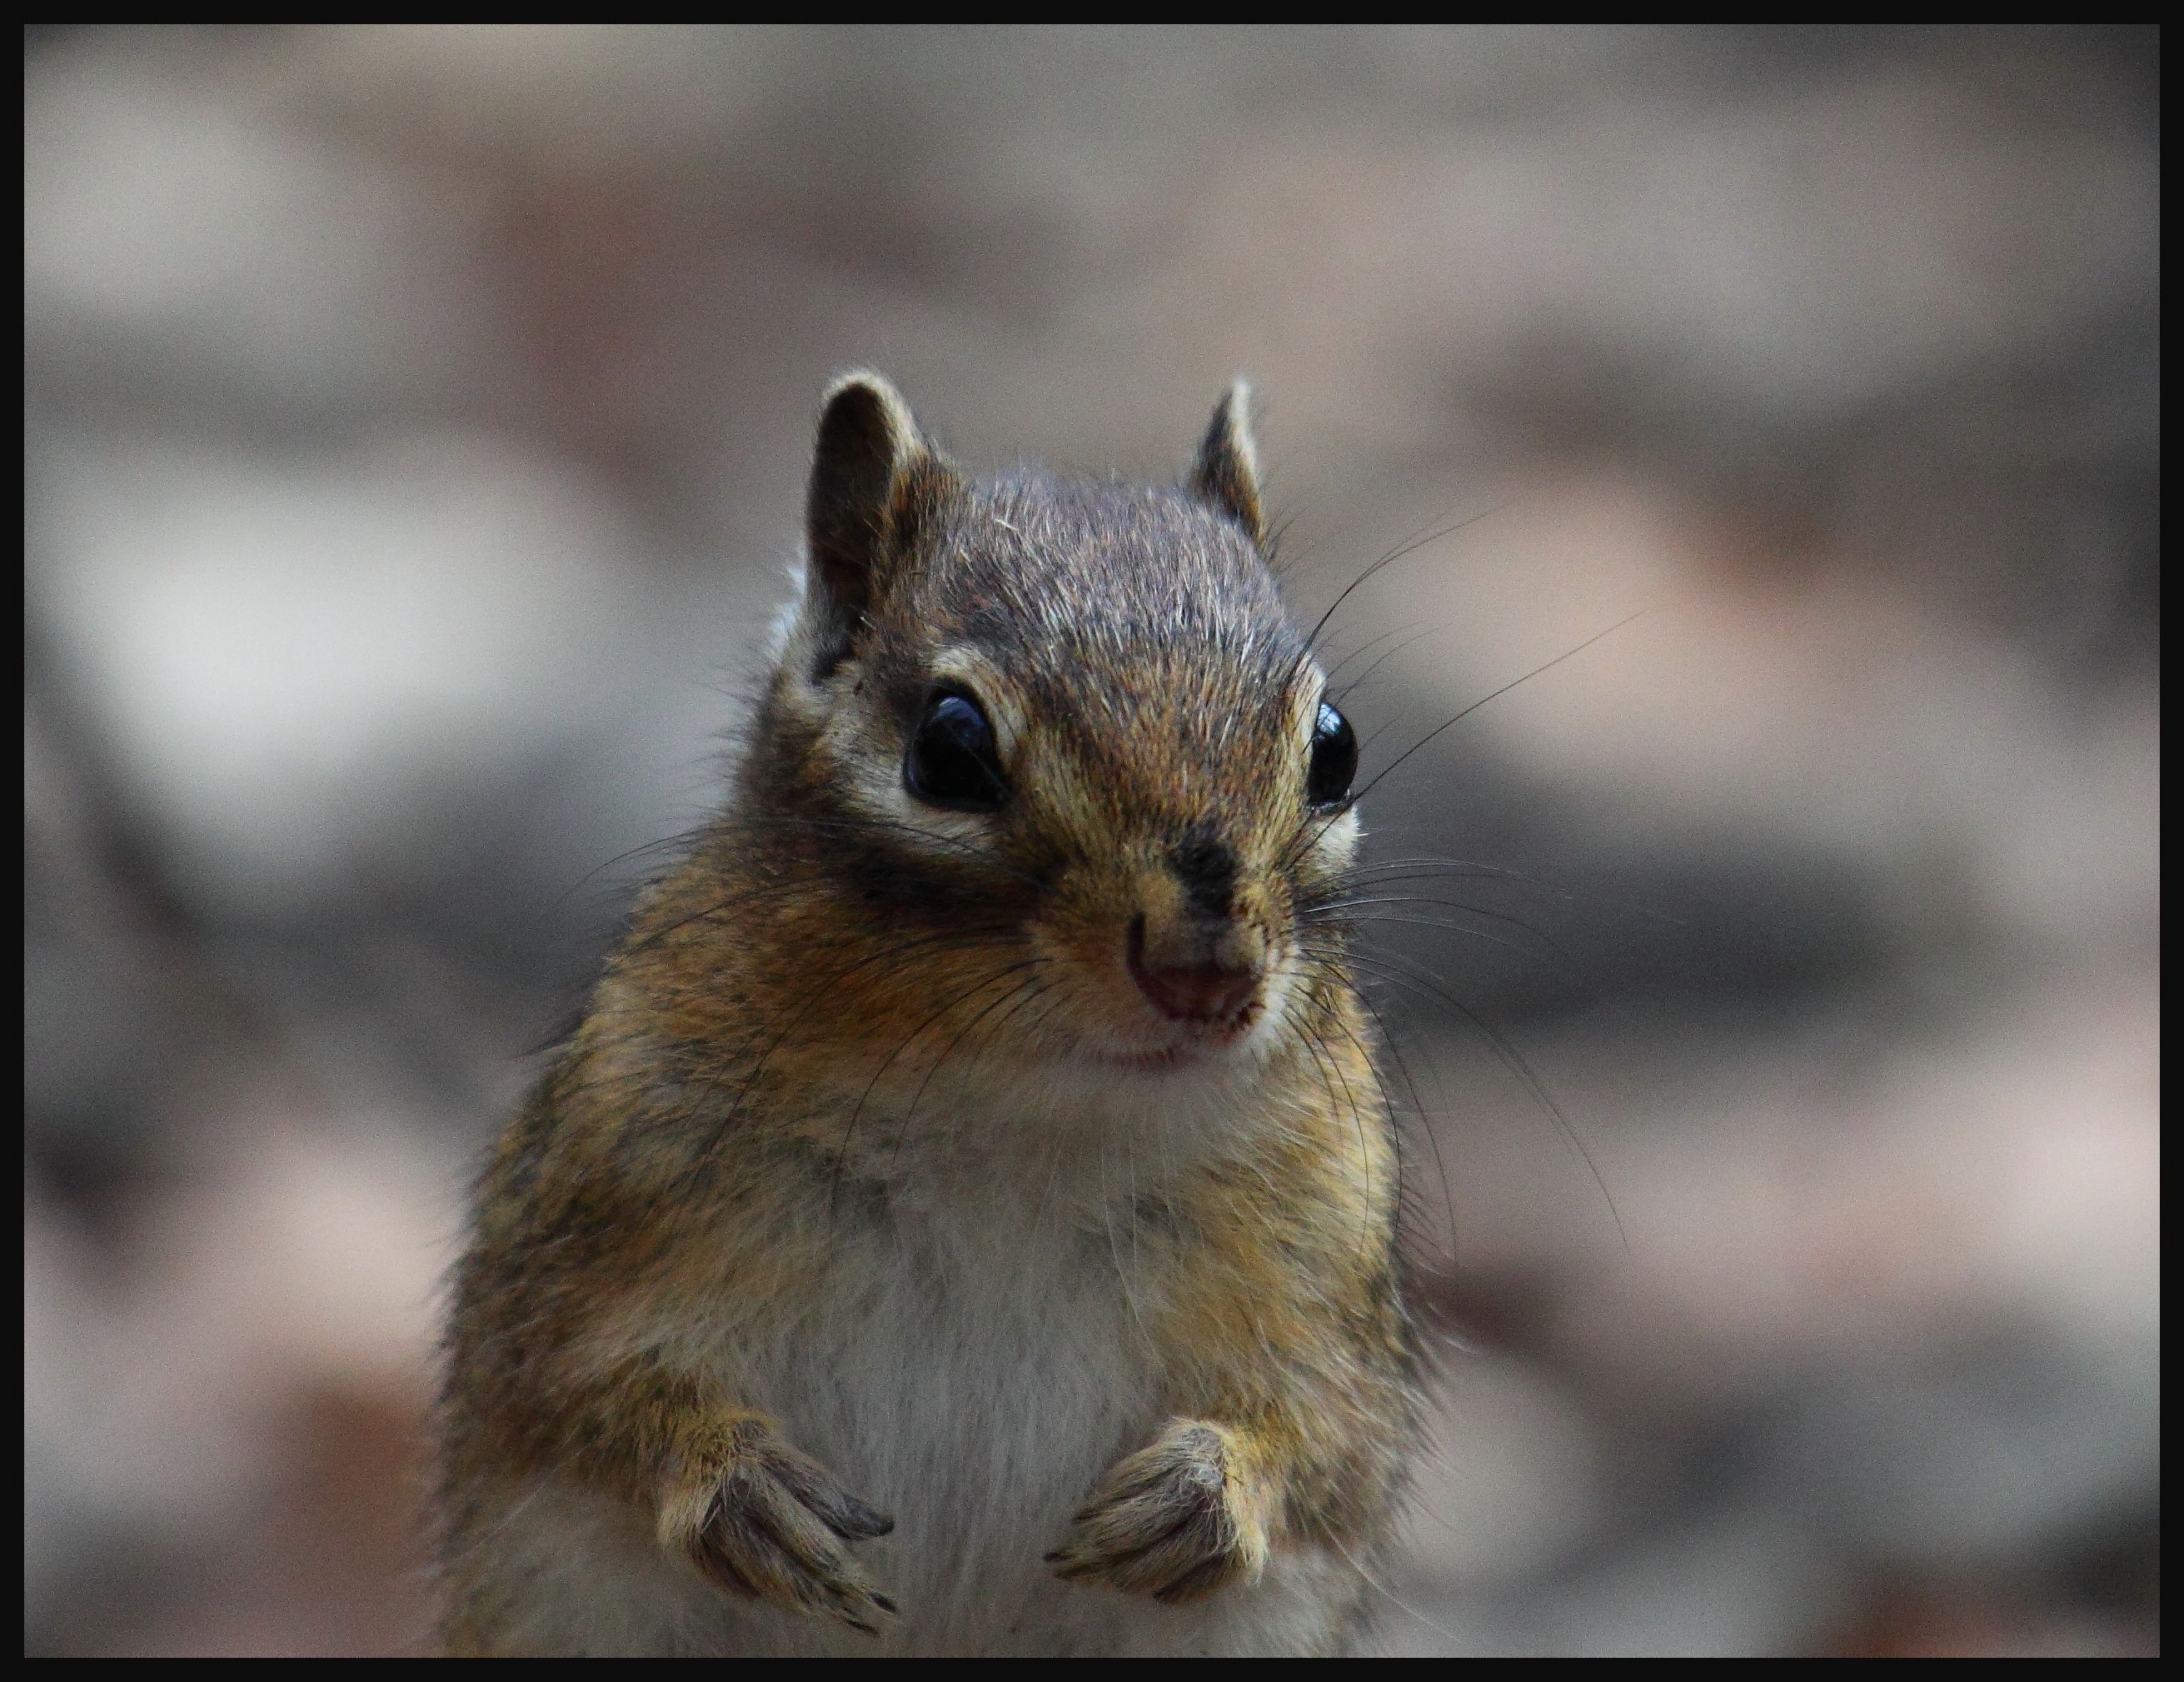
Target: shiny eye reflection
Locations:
point(1333, 758)
point(953, 760)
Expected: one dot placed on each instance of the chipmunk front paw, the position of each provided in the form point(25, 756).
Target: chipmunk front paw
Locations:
point(1172, 1521)
point(769, 1523)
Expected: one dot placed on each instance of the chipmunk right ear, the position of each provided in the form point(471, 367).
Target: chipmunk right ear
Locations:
point(875, 480)
point(1225, 477)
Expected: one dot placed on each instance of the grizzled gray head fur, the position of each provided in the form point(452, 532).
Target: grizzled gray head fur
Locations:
point(1070, 711)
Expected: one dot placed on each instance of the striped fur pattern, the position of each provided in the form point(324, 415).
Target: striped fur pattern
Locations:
point(876, 1270)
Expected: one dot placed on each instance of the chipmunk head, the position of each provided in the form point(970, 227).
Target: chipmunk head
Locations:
point(1062, 746)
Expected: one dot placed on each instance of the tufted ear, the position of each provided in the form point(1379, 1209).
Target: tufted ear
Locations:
point(875, 481)
point(1225, 477)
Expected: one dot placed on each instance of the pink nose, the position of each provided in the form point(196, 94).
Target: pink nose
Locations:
point(1194, 993)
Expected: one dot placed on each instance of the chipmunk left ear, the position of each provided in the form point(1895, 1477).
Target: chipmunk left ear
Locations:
point(877, 484)
point(1225, 477)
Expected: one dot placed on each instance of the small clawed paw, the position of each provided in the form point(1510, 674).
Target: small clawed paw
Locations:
point(775, 1527)
point(1167, 1522)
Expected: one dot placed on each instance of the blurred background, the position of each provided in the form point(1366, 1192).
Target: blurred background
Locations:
point(414, 428)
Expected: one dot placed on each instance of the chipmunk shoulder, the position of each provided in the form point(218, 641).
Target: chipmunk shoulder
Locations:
point(965, 1221)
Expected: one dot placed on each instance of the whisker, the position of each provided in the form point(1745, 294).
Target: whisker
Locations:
point(861, 824)
point(1411, 546)
point(1418, 1106)
point(907, 1041)
point(1316, 1045)
point(1560, 962)
point(685, 839)
point(1395, 970)
point(895, 957)
point(1023, 992)
point(1411, 640)
point(1494, 694)
point(1430, 868)
point(1349, 805)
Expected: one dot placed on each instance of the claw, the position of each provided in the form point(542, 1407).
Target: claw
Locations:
point(773, 1528)
point(1167, 1521)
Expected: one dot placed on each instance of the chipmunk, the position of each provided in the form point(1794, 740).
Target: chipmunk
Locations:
point(965, 1222)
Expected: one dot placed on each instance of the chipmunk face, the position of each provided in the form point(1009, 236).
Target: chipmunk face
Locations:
point(1061, 751)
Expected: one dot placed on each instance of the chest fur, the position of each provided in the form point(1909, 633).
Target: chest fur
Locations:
point(972, 1373)
point(972, 1368)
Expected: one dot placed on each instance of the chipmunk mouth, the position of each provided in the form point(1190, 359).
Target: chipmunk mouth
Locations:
point(1154, 1062)
point(1171, 1007)
point(1193, 1046)
point(1194, 1037)
point(1199, 995)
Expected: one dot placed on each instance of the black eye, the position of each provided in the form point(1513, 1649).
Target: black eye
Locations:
point(952, 761)
point(1334, 759)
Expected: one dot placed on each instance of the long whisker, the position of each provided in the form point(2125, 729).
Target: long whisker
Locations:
point(1409, 547)
point(895, 957)
point(687, 837)
point(1495, 694)
point(1309, 837)
point(1313, 1041)
point(1417, 1104)
point(1430, 866)
point(970, 851)
point(1411, 640)
point(907, 1041)
point(1016, 992)
point(1396, 972)
point(1024, 992)
point(1561, 962)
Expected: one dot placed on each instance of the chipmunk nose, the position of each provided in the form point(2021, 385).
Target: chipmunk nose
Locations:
point(1201, 990)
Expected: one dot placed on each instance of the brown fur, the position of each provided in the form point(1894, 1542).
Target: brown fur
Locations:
point(803, 992)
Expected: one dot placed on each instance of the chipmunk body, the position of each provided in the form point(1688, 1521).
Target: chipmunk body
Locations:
point(965, 1221)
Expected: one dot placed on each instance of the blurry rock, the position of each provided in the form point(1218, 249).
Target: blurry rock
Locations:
point(188, 249)
point(287, 653)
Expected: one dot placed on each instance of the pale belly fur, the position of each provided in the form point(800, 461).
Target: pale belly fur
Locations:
point(974, 1375)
